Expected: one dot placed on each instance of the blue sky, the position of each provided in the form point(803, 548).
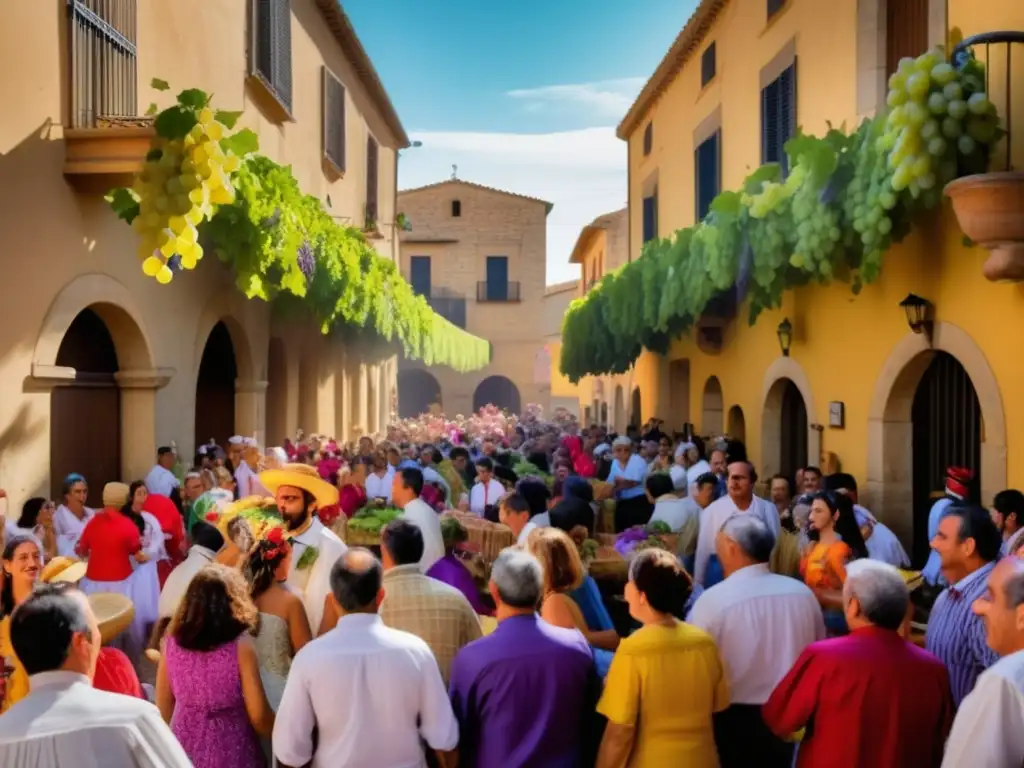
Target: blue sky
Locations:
point(522, 96)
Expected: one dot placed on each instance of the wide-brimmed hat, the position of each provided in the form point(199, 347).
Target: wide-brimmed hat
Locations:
point(301, 476)
point(115, 495)
point(114, 613)
point(63, 569)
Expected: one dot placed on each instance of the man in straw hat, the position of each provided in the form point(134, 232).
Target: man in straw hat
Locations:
point(300, 491)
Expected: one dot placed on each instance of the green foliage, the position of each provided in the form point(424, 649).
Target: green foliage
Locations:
point(846, 199)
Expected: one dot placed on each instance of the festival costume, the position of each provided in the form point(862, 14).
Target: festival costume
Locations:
point(68, 528)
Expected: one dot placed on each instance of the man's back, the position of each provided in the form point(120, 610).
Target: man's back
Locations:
point(371, 691)
point(523, 695)
point(65, 721)
point(875, 699)
point(433, 611)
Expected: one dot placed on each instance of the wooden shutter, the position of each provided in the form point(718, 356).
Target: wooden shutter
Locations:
point(787, 112)
point(770, 122)
point(282, 28)
point(707, 163)
point(262, 39)
point(778, 117)
point(334, 120)
point(707, 65)
point(906, 31)
point(651, 217)
point(371, 178)
point(648, 139)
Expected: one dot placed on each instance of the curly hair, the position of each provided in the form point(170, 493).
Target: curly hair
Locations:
point(261, 564)
point(216, 609)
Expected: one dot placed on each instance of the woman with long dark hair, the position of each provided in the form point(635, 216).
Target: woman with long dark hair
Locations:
point(22, 565)
point(36, 520)
point(145, 581)
point(835, 540)
point(283, 627)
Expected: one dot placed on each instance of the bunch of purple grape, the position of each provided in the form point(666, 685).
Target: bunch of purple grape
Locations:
point(629, 539)
point(307, 261)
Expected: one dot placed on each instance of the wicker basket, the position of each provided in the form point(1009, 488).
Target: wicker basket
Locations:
point(609, 564)
point(357, 538)
point(670, 540)
point(488, 538)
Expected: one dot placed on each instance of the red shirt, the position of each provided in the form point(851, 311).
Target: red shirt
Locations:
point(867, 699)
point(115, 673)
point(163, 509)
point(109, 540)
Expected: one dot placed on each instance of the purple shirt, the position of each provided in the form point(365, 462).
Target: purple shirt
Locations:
point(524, 696)
point(453, 573)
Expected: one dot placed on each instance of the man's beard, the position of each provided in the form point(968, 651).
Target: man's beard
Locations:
point(294, 523)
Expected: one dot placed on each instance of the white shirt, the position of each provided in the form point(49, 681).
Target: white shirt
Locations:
point(525, 533)
point(678, 474)
point(698, 469)
point(69, 529)
point(179, 579)
point(714, 517)
point(65, 721)
point(675, 512)
point(379, 487)
point(761, 623)
point(987, 732)
point(244, 477)
point(313, 582)
point(161, 481)
point(372, 691)
point(429, 522)
point(482, 496)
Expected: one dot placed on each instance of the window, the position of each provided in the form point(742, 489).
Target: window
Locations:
point(272, 47)
point(707, 65)
point(104, 64)
point(371, 182)
point(774, 6)
point(648, 139)
point(456, 208)
point(708, 164)
point(651, 216)
point(778, 117)
point(419, 275)
point(906, 31)
point(334, 121)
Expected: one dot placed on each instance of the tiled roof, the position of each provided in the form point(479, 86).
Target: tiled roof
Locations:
point(548, 205)
point(602, 222)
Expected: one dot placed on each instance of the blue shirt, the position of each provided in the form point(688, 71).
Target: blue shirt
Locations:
point(635, 470)
point(957, 636)
point(524, 696)
point(932, 573)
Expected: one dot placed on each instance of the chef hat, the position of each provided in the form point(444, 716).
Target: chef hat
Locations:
point(249, 441)
point(236, 440)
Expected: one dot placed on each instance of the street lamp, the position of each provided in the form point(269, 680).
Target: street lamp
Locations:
point(919, 314)
point(785, 334)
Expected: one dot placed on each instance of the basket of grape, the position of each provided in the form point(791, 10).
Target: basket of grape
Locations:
point(608, 563)
point(363, 530)
point(657, 533)
point(485, 537)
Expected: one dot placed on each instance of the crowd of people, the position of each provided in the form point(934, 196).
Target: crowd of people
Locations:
point(775, 630)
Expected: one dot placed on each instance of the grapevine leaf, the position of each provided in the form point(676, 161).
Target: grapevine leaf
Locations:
point(124, 203)
point(193, 98)
point(229, 119)
point(152, 109)
point(727, 204)
point(175, 122)
point(159, 85)
point(242, 143)
point(769, 172)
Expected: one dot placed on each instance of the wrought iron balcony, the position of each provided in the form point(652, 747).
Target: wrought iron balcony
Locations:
point(497, 292)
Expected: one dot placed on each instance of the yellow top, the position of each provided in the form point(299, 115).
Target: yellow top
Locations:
point(17, 683)
point(666, 682)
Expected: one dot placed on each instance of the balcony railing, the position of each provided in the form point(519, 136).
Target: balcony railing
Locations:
point(491, 291)
point(104, 66)
point(995, 50)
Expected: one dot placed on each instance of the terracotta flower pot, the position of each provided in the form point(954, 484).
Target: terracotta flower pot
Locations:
point(990, 209)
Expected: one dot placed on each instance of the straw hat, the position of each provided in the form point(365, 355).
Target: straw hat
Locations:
point(114, 613)
point(115, 495)
point(63, 569)
point(301, 476)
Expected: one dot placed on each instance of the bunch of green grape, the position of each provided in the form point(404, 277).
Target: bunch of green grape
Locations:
point(936, 111)
point(180, 186)
point(817, 232)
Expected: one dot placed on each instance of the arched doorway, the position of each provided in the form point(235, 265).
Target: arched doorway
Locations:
point(499, 391)
point(619, 413)
point(85, 414)
point(418, 390)
point(215, 388)
point(736, 425)
point(712, 408)
point(946, 419)
point(635, 409)
point(277, 392)
point(792, 430)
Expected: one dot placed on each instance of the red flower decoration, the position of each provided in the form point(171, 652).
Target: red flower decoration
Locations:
point(329, 514)
point(275, 536)
point(212, 517)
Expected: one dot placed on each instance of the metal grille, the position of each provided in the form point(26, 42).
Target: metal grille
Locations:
point(104, 64)
point(947, 433)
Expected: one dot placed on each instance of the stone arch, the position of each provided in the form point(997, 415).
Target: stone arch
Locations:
point(636, 408)
point(777, 378)
point(890, 429)
point(499, 391)
point(736, 424)
point(240, 341)
point(619, 411)
point(418, 391)
point(712, 408)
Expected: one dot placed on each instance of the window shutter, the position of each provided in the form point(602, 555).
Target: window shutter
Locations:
point(787, 112)
point(708, 173)
point(906, 31)
point(282, 72)
point(650, 217)
point(334, 120)
point(371, 178)
point(648, 139)
point(262, 41)
point(770, 123)
point(707, 65)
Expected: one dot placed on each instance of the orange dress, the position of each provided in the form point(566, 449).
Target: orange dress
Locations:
point(824, 567)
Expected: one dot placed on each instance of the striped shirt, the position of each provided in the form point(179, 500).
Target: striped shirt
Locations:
point(957, 636)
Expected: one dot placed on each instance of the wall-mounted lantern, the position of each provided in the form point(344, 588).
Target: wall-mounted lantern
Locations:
point(785, 334)
point(919, 314)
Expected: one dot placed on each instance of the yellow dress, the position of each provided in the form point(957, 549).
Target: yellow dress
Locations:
point(666, 682)
point(17, 683)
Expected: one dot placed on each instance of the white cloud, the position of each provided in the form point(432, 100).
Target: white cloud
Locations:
point(604, 98)
point(583, 173)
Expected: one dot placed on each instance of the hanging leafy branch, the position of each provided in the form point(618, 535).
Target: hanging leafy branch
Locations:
point(206, 189)
point(846, 199)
